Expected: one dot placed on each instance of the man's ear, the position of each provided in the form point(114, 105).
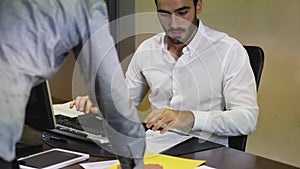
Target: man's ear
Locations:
point(199, 6)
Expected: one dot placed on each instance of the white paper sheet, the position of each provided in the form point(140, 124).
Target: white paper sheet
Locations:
point(204, 167)
point(64, 109)
point(98, 165)
point(156, 142)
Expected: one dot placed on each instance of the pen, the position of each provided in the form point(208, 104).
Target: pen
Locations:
point(177, 130)
point(55, 138)
point(146, 128)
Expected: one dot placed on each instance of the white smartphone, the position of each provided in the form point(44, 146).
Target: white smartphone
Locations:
point(52, 159)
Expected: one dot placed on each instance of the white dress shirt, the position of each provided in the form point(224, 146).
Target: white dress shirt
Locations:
point(212, 78)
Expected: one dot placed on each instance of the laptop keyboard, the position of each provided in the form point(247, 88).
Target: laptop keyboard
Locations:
point(87, 122)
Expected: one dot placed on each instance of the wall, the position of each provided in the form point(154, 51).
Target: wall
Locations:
point(64, 86)
point(275, 26)
point(61, 83)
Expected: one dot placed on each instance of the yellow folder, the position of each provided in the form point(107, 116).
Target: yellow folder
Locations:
point(168, 162)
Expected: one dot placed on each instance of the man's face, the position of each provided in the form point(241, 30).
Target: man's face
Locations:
point(178, 18)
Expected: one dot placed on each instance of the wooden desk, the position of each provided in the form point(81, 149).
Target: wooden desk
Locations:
point(221, 158)
point(224, 158)
point(228, 158)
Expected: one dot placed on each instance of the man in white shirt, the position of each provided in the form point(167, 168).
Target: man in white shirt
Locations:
point(200, 79)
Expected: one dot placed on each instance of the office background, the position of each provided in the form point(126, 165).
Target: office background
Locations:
point(273, 25)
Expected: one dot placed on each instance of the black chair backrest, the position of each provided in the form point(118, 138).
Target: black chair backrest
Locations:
point(256, 56)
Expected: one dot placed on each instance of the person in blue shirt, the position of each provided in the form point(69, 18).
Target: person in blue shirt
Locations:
point(35, 38)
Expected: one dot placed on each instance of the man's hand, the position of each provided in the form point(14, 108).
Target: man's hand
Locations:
point(148, 166)
point(171, 118)
point(84, 104)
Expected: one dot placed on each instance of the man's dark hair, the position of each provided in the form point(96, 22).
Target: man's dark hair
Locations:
point(195, 2)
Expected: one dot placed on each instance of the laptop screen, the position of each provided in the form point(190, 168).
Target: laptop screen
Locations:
point(39, 108)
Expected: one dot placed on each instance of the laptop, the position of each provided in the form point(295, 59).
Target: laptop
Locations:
point(41, 114)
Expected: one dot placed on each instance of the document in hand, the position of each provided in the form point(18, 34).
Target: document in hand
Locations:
point(168, 162)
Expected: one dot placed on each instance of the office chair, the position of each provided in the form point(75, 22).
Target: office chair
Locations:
point(256, 56)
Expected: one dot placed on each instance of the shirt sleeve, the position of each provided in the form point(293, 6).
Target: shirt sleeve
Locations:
point(137, 84)
point(239, 90)
point(103, 73)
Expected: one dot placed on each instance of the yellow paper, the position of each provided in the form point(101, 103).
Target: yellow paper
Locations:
point(168, 162)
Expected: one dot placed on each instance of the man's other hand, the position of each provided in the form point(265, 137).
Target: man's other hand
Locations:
point(168, 118)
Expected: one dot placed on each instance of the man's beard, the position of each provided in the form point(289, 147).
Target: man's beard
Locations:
point(184, 40)
point(176, 40)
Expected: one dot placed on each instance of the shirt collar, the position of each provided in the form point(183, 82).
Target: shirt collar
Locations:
point(194, 44)
point(164, 47)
